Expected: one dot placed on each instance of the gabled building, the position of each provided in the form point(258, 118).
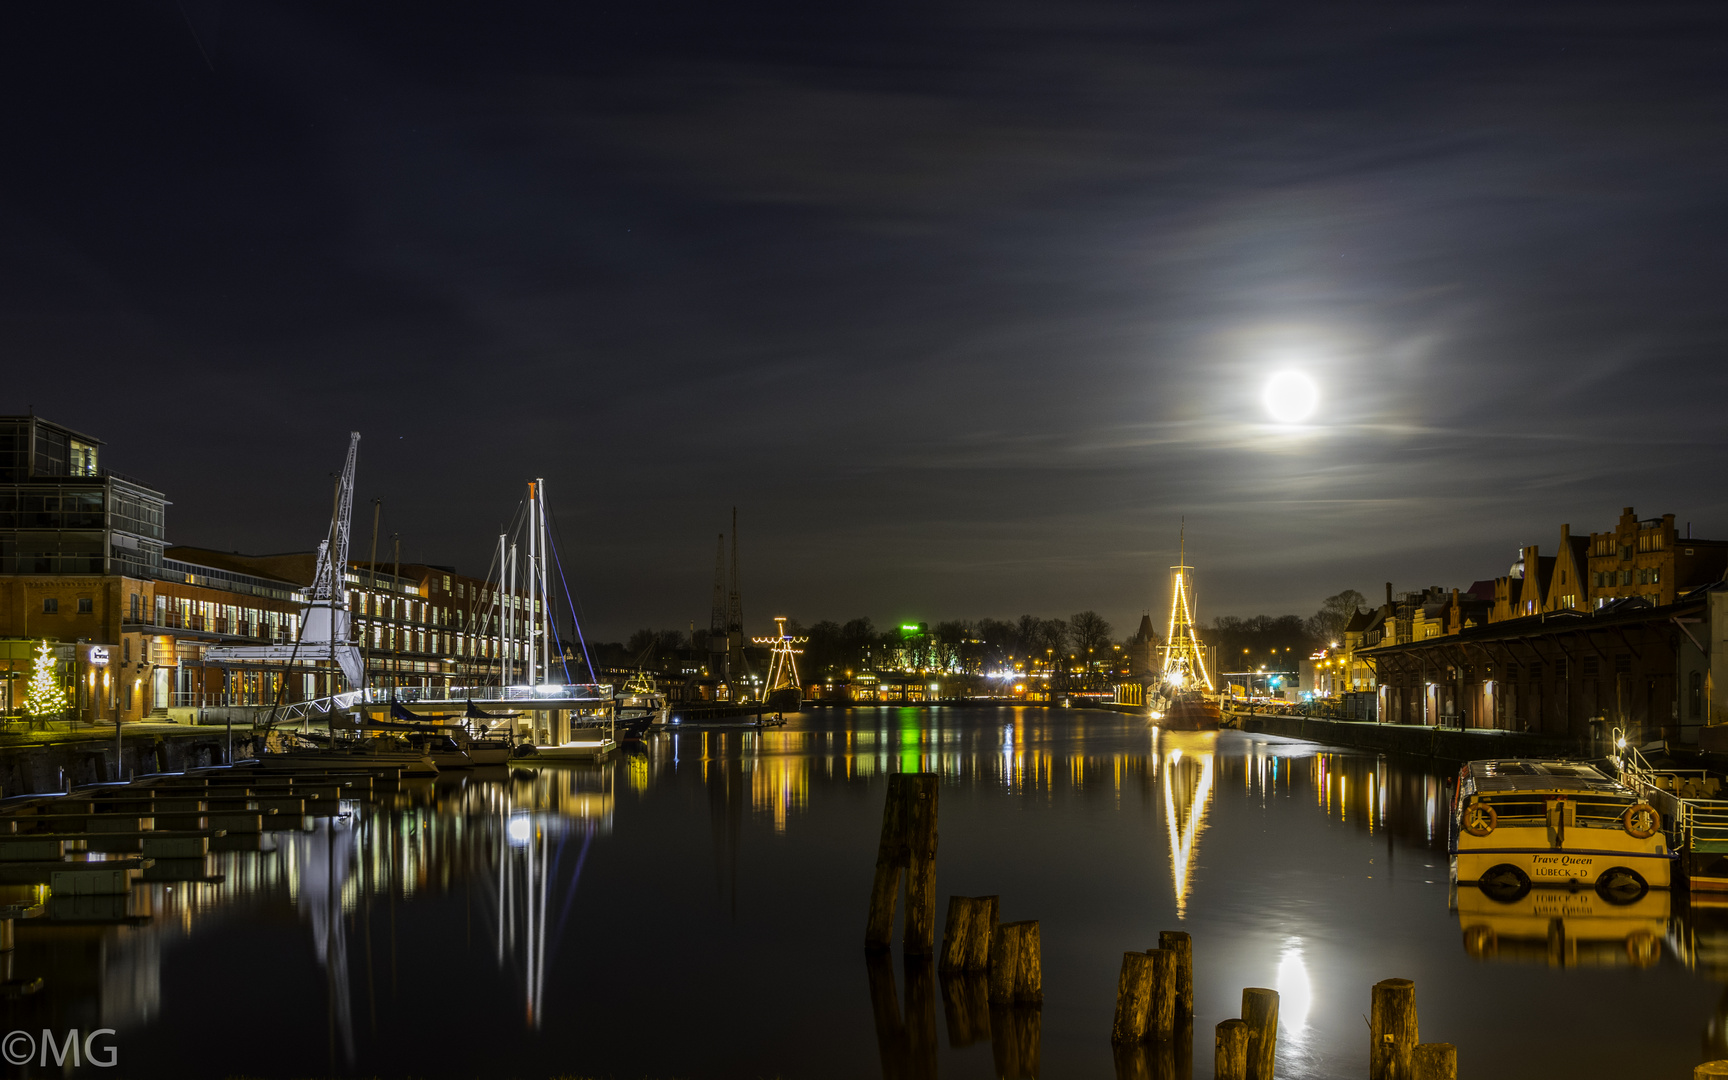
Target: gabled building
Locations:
point(1650, 558)
point(1569, 585)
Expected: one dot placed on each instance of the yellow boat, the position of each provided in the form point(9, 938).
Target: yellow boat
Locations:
point(1521, 822)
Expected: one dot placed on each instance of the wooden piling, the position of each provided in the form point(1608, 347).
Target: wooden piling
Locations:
point(1230, 1060)
point(908, 843)
point(1437, 1061)
point(1016, 964)
point(983, 928)
point(1260, 1013)
point(1179, 943)
point(957, 933)
point(1133, 998)
point(885, 890)
point(919, 935)
point(1392, 1030)
point(1161, 1017)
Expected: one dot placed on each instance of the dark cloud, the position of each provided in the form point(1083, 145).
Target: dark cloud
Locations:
point(964, 306)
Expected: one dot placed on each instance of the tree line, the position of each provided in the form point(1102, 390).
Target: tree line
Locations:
point(999, 644)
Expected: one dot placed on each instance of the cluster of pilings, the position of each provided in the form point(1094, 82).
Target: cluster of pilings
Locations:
point(992, 978)
point(992, 983)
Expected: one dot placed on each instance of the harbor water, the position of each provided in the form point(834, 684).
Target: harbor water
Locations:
point(698, 911)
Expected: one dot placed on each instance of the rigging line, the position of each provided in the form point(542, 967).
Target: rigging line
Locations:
point(570, 599)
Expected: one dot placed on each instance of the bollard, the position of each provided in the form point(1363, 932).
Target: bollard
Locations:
point(1435, 1061)
point(1260, 1013)
point(1230, 1061)
point(1133, 998)
point(1161, 1018)
point(1392, 1030)
point(1179, 943)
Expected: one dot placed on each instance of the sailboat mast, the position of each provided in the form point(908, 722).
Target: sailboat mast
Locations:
point(498, 607)
point(545, 585)
point(532, 668)
point(510, 609)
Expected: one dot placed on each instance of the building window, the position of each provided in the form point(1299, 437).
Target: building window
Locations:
point(51, 605)
point(86, 606)
point(1655, 575)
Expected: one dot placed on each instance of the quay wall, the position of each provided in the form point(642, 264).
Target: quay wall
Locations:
point(39, 768)
point(1445, 744)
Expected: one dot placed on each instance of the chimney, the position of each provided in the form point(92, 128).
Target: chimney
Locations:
point(1388, 594)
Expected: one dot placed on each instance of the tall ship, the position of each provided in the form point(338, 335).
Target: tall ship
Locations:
point(1187, 684)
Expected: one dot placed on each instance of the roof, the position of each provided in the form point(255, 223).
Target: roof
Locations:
point(1528, 774)
point(1563, 621)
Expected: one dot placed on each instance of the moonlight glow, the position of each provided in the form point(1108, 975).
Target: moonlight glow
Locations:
point(1290, 397)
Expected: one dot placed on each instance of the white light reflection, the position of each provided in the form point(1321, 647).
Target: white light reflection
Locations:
point(1295, 994)
point(1191, 785)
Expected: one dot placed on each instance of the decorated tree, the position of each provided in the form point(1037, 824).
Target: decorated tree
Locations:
point(45, 699)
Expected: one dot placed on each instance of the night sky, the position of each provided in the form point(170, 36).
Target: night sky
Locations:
point(962, 306)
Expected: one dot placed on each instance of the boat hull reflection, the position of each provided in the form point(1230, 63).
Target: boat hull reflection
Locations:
point(1563, 928)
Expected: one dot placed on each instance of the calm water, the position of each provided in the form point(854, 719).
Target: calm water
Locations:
point(698, 912)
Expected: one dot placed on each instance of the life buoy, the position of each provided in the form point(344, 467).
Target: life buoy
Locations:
point(1479, 819)
point(1641, 821)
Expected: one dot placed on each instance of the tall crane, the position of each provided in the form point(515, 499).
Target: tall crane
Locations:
point(325, 621)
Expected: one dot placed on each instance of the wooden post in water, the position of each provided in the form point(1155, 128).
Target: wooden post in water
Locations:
point(966, 935)
point(919, 937)
point(1260, 1013)
point(983, 932)
point(1016, 964)
point(885, 890)
point(908, 843)
point(1231, 1059)
point(1392, 1030)
point(1161, 1018)
point(1437, 1061)
point(1180, 944)
point(1133, 998)
point(957, 933)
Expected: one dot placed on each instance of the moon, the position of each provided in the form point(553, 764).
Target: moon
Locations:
point(1290, 397)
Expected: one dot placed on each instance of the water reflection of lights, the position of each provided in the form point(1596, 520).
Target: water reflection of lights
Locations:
point(1295, 994)
point(1190, 784)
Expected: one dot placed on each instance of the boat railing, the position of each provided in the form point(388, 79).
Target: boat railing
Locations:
point(1527, 808)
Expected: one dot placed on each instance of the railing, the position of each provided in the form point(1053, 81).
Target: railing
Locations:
point(555, 691)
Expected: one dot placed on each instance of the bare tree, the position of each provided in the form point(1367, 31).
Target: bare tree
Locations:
point(1334, 615)
point(1091, 635)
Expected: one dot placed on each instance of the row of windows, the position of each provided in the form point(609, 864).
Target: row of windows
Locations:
point(51, 605)
point(1643, 575)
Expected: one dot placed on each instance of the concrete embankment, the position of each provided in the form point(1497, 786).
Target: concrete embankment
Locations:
point(67, 761)
point(1446, 744)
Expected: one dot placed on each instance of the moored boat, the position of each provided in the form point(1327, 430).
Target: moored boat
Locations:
point(1523, 822)
point(1190, 711)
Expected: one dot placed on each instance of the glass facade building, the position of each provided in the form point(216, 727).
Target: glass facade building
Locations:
point(62, 513)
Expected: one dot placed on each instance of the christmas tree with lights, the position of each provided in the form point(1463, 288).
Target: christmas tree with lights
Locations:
point(45, 699)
